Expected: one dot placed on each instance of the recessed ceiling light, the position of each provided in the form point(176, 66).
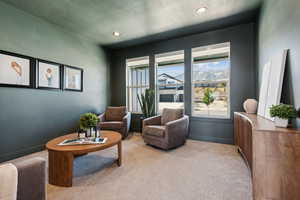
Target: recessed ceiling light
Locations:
point(201, 10)
point(116, 34)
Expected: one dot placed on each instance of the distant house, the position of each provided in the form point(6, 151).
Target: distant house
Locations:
point(170, 88)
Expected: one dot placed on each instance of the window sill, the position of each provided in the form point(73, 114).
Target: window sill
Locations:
point(211, 119)
point(136, 113)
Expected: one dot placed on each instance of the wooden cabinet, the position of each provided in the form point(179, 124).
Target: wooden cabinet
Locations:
point(243, 138)
point(272, 154)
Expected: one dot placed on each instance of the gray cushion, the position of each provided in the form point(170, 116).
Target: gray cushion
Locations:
point(158, 131)
point(169, 114)
point(115, 113)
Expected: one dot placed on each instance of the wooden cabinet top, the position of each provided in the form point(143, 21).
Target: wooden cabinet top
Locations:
point(262, 124)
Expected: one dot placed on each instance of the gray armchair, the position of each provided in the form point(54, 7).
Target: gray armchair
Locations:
point(116, 119)
point(28, 182)
point(168, 130)
point(31, 179)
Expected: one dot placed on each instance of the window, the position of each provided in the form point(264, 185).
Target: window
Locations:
point(169, 80)
point(211, 81)
point(136, 82)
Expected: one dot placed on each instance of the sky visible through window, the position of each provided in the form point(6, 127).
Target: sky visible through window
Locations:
point(177, 70)
point(211, 70)
point(217, 65)
point(173, 70)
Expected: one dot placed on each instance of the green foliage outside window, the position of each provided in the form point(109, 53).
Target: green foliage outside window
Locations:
point(208, 97)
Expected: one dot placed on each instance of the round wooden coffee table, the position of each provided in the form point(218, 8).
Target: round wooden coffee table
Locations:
point(61, 157)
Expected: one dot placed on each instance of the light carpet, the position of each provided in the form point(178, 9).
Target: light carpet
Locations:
point(196, 171)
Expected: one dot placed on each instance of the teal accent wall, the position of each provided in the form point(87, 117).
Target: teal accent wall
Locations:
point(242, 83)
point(31, 117)
point(278, 29)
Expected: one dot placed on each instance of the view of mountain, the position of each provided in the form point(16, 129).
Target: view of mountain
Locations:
point(211, 71)
point(201, 71)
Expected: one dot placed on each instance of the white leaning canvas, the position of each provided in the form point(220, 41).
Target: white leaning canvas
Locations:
point(264, 89)
point(275, 81)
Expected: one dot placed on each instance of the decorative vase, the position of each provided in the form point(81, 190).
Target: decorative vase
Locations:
point(250, 106)
point(88, 132)
point(279, 122)
point(96, 132)
point(81, 134)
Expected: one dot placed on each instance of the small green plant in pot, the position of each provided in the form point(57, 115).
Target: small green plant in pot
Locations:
point(282, 113)
point(88, 121)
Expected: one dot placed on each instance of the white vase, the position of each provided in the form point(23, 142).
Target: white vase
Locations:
point(250, 106)
point(279, 122)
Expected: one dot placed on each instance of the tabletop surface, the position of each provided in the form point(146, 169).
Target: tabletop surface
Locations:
point(113, 138)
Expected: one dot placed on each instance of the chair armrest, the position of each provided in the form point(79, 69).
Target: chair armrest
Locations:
point(8, 181)
point(127, 120)
point(101, 117)
point(156, 120)
point(31, 179)
point(177, 129)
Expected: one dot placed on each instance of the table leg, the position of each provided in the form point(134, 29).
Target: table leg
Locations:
point(119, 161)
point(60, 168)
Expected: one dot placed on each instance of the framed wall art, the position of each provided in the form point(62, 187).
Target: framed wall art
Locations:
point(73, 78)
point(48, 75)
point(16, 70)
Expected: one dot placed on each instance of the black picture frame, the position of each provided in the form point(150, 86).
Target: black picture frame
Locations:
point(31, 70)
point(60, 74)
point(65, 68)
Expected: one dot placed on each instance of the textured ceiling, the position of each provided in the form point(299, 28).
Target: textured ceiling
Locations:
point(97, 19)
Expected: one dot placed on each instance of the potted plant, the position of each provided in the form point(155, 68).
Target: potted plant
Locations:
point(146, 102)
point(208, 98)
point(88, 122)
point(282, 113)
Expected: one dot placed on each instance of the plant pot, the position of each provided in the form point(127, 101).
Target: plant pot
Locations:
point(91, 131)
point(279, 122)
point(141, 124)
point(88, 132)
